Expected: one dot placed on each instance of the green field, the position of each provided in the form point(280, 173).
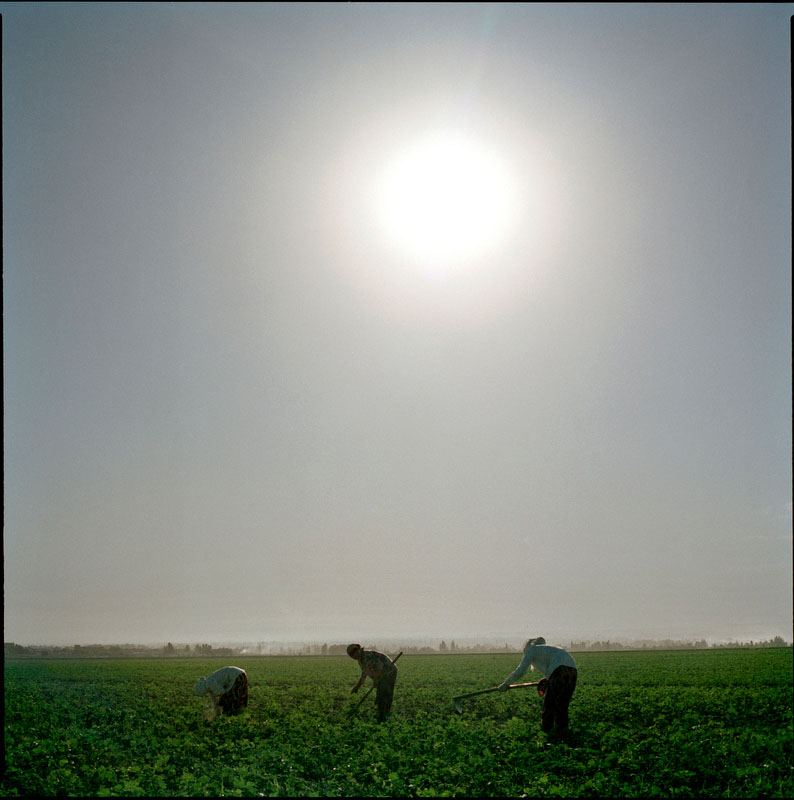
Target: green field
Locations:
point(713, 723)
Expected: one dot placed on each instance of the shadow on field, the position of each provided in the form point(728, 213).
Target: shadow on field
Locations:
point(568, 738)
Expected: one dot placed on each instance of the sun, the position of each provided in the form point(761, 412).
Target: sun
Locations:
point(445, 200)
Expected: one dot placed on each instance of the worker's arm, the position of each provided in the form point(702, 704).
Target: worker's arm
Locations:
point(518, 671)
point(360, 680)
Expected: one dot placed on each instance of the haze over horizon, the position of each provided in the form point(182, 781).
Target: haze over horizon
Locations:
point(258, 387)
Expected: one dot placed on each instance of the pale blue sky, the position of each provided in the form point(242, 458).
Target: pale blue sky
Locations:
point(232, 412)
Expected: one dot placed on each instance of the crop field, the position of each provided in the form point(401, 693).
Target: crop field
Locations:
point(713, 723)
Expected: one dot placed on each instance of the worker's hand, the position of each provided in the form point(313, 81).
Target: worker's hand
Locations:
point(354, 689)
point(503, 687)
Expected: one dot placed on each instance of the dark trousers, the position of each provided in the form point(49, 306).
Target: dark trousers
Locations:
point(559, 690)
point(236, 698)
point(384, 694)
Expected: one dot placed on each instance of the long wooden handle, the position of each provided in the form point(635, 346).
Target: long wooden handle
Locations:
point(375, 683)
point(495, 689)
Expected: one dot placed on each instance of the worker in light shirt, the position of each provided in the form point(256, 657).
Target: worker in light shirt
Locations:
point(227, 688)
point(557, 688)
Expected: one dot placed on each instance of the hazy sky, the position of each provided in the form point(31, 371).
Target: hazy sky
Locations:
point(238, 408)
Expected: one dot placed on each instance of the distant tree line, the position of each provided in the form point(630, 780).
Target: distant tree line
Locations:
point(672, 644)
point(203, 650)
point(12, 650)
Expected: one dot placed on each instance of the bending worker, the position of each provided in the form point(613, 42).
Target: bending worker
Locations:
point(227, 687)
point(557, 689)
point(383, 672)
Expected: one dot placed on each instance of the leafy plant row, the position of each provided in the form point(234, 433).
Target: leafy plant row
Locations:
point(657, 724)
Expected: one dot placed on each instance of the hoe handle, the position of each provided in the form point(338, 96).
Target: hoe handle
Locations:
point(494, 689)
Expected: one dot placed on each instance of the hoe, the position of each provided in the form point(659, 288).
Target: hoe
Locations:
point(459, 697)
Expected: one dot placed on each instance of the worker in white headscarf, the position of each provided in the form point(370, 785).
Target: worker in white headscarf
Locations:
point(556, 688)
point(227, 688)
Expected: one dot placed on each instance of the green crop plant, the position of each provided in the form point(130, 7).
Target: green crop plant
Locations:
point(715, 723)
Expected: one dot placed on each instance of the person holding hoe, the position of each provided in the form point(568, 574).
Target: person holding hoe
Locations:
point(556, 688)
point(383, 672)
point(227, 688)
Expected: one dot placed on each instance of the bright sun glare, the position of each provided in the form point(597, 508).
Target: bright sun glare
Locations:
point(445, 200)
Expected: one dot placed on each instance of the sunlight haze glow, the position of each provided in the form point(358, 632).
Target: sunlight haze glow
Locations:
point(354, 321)
point(446, 199)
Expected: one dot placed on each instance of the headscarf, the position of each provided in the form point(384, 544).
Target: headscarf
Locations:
point(530, 644)
point(201, 687)
point(352, 648)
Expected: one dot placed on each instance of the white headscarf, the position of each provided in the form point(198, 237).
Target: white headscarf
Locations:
point(530, 644)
